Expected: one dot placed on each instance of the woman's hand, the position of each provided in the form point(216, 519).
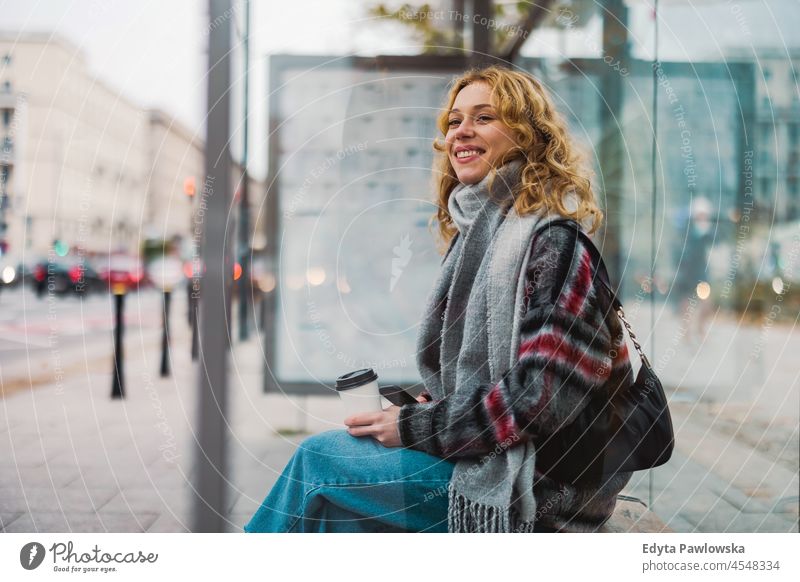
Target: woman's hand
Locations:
point(382, 426)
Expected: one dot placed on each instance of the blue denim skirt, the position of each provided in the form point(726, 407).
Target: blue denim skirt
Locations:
point(336, 482)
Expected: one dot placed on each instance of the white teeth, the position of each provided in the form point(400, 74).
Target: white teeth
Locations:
point(466, 153)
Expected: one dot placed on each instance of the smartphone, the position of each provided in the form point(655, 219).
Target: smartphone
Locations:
point(396, 395)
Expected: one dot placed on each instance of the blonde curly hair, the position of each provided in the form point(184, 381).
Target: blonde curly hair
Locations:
point(552, 165)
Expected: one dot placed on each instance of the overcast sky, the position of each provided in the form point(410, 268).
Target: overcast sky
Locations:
point(153, 51)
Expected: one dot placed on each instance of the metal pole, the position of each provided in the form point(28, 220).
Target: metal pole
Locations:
point(210, 492)
point(165, 367)
point(653, 202)
point(481, 49)
point(612, 154)
point(118, 381)
point(458, 24)
point(244, 209)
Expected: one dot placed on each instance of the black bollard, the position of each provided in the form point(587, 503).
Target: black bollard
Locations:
point(195, 306)
point(118, 381)
point(262, 312)
point(165, 367)
point(189, 301)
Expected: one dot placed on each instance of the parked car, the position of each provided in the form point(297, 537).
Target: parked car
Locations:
point(24, 275)
point(15, 273)
point(62, 275)
point(121, 271)
point(9, 273)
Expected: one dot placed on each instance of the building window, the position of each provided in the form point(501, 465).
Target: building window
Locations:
point(793, 135)
point(6, 117)
point(765, 189)
point(793, 188)
point(766, 131)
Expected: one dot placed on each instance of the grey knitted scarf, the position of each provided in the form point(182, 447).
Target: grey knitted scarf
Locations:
point(482, 278)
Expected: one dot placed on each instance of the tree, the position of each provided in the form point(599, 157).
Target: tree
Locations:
point(438, 26)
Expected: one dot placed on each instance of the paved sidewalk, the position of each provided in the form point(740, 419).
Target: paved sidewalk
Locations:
point(71, 459)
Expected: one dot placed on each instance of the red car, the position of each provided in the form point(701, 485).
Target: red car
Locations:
point(121, 271)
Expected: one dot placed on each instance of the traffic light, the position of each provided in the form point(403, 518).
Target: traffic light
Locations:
point(60, 247)
point(189, 187)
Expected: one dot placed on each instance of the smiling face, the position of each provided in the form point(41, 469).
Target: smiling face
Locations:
point(476, 139)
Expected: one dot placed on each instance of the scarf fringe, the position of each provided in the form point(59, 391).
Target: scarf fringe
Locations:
point(467, 516)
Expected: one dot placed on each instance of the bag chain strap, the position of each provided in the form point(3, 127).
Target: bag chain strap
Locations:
point(638, 347)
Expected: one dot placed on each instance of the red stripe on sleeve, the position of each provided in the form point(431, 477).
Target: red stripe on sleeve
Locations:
point(554, 346)
point(502, 420)
point(580, 286)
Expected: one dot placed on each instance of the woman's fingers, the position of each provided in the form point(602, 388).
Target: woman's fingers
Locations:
point(363, 419)
point(372, 417)
point(381, 426)
point(367, 430)
point(359, 430)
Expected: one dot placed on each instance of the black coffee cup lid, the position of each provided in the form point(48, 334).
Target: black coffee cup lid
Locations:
point(355, 379)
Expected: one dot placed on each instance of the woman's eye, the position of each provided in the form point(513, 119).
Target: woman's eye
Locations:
point(481, 118)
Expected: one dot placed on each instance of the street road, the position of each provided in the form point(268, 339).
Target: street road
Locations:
point(48, 338)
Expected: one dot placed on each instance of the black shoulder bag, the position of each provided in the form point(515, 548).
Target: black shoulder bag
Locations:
point(630, 430)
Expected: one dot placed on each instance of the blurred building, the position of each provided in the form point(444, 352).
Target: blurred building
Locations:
point(777, 136)
point(83, 165)
point(176, 156)
point(78, 163)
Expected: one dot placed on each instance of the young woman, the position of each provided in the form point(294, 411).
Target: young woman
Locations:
point(516, 336)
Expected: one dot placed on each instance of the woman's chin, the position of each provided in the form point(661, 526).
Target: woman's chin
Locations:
point(470, 177)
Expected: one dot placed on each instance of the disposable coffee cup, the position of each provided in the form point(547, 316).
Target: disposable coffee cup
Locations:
point(359, 392)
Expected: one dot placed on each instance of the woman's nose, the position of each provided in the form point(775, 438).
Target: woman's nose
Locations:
point(465, 128)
